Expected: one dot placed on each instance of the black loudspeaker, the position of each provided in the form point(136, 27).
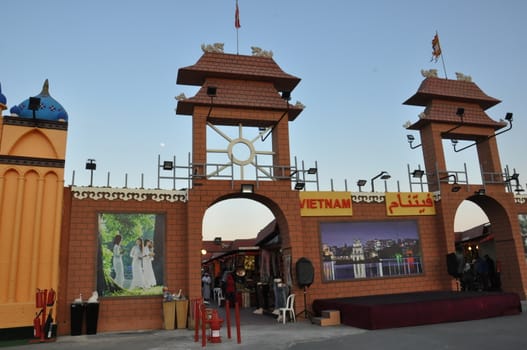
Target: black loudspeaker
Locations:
point(34, 103)
point(452, 265)
point(304, 272)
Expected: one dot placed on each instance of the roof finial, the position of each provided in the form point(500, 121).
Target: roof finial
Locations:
point(45, 88)
point(1, 92)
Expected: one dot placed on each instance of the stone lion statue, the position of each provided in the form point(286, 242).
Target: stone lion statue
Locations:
point(431, 73)
point(181, 97)
point(463, 77)
point(216, 47)
point(299, 104)
point(256, 51)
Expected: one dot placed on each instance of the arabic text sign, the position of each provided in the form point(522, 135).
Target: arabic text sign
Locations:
point(409, 203)
point(325, 203)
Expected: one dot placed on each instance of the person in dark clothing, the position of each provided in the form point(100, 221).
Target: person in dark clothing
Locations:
point(230, 289)
point(482, 272)
point(491, 270)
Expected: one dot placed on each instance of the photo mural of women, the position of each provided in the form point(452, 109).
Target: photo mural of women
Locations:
point(370, 249)
point(523, 231)
point(130, 254)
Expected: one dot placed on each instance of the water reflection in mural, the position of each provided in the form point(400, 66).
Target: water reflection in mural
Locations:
point(131, 254)
point(352, 250)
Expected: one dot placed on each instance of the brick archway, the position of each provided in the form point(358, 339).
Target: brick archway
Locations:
point(508, 246)
point(280, 216)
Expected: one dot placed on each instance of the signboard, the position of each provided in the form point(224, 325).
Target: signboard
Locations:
point(325, 203)
point(409, 203)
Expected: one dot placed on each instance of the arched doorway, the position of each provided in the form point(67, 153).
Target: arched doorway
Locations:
point(474, 242)
point(229, 234)
point(490, 236)
point(243, 238)
point(235, 218)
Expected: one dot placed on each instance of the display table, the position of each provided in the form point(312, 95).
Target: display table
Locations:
point(181, 313)
point(169, 314)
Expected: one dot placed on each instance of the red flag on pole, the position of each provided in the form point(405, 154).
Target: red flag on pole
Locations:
point(436, 48)
point(237, 17)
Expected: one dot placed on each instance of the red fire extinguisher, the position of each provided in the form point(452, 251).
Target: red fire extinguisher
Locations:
point(39, 301)
point(48, 326)
point(51, 297)
point(37, 327)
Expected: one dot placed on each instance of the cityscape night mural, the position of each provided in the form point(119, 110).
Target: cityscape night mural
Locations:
point(370, 249)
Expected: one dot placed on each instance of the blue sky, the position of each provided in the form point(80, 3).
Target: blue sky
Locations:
point(113, 66)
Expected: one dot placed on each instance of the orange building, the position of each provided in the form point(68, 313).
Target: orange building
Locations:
point(32, 154)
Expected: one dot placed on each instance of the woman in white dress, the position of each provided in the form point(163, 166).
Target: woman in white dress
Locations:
point(118, 260)
point(148, 256)
point(136, 254)
point(206, 282)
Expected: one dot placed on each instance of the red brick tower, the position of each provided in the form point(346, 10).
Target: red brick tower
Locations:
point(241, 92)
point(455, 110)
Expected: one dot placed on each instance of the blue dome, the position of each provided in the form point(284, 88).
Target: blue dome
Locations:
point(49, 108)
point(3, 99)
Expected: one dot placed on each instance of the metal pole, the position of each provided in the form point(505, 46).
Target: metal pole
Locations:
point(237, 315)
point(158, 171)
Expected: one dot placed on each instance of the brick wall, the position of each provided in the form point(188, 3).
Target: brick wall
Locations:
point(79, 261)
point(300, 238)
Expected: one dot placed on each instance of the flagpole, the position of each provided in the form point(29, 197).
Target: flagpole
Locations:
point(444, 68)
point(237, 26)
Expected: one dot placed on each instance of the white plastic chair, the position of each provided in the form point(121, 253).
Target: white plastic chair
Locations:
point(218, 295)
point(289, 308)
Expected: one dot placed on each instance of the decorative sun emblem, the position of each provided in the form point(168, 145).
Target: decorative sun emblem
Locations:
point(241, 152)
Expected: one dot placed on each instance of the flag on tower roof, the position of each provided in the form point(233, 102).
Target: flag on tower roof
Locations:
point(237, 17)
point(436, 48)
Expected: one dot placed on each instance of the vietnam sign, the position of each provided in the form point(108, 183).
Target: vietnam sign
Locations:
point(325, 204)
point(409, 203)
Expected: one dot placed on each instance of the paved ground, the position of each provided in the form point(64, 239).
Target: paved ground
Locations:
point(263, 332)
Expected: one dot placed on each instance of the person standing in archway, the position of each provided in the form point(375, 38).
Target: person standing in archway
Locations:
point(230, 288)
point(482, 272)
point(206, 286)
point(491, 268)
